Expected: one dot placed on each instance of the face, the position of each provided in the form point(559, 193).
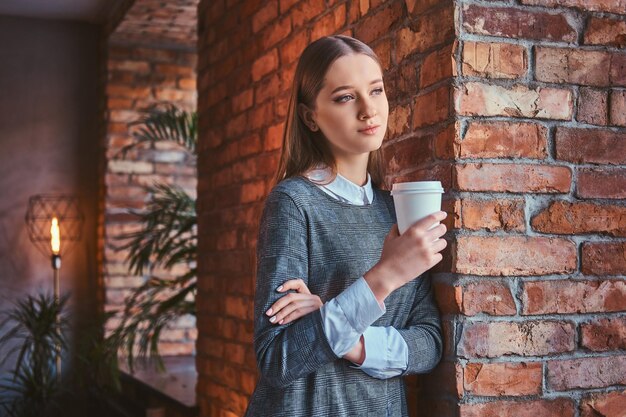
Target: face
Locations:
point(351, 100)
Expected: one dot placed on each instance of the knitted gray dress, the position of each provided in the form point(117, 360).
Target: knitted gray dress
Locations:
point(305, 233)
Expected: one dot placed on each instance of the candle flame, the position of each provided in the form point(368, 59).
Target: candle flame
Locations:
point(55, 240)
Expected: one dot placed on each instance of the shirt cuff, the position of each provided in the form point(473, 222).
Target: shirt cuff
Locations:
point(348, 315)
point(386, 353)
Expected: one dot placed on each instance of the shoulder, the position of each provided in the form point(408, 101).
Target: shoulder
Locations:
point(290, 194)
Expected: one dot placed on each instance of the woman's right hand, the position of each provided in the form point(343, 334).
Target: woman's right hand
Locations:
point(405, 257)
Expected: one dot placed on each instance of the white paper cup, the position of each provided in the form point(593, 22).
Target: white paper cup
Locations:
point(415, 200)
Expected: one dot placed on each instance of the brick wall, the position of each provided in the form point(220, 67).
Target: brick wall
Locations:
point(139, 78)
point(540, 150)
point(500, 105)
point(247, 56)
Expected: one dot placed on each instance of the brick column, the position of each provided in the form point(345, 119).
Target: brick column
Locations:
point(501, 103)
point(151, 61)
point(540, 149)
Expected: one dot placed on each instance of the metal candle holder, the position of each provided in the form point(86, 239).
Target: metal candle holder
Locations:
point(54, 238)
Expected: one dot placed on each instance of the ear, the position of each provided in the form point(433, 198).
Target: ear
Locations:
point(307, 116)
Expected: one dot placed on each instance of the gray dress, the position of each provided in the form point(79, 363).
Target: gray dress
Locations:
point(305, 233)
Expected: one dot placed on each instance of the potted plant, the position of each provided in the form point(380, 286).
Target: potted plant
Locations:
point(34, 329)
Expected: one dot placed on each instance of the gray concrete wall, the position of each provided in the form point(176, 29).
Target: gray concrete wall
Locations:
point(49, 143)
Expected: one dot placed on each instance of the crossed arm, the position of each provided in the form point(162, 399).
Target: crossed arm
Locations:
point(295, 343)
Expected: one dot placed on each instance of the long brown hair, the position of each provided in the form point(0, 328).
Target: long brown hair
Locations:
point(303, 149)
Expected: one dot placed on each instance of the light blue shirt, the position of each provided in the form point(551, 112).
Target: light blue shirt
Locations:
point(350, 314)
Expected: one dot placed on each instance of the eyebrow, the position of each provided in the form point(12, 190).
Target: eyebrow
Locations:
point(345, 87)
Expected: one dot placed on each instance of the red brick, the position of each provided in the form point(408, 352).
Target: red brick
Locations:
point(267, 88)
point(604, 258)
point(515, 178)
point(242, 101)
point(291, 50)
point(495, 214)
point(383, 52)
point(431, 30)
point(497, 379)
point(305, 11)
point(517, 23)
point(617, 71)
point(133, 66)
point(478, 99)
point(592, 106)
point(491, 298)
point(264, 65)
point(514, 255)
point(612, 404)
point(274, 137)
point(504, 140)
point(563, 217)
point(379, 24)
point(408, 153)
point(569, 296)
point(417, 7)
point(604, 334)
point(172, 69)
point(606, 31)
point(274, 33)
point(561, 407)
point(601, 183)
point(572, 65)
point(618, 109)
point(446, 142)
point(494, 60)
point(249, 145)
point(399, 121)
point(448, 297)
point(268, 12)
point(432, 107)
point(615, 6)
point(586, 373)
point(528, 338)
point(253, 191)
point(114, 90)
point(437, 66)
point(330, 23)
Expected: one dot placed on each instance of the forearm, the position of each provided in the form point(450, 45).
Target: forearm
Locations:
point(286, 353)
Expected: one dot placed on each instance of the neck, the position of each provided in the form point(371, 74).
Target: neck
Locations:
point(354, 169)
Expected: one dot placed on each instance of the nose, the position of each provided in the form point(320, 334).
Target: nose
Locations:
point(367, 109)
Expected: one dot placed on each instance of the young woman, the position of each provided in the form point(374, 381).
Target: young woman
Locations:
point(343, 303)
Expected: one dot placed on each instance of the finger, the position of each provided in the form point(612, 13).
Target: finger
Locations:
point(394, 230)
point(439, 245)
point(436, 232)
point(429, 220)
point(300, 312)
point(294, 284)
point(294, 311)
point(285, 300)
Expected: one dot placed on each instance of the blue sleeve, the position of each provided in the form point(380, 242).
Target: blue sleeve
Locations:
point(346, 317)
point(386, 352)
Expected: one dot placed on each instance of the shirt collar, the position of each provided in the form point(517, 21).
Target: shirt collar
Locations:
point(343, 187)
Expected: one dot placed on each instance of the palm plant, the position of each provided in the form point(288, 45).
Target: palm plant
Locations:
point(33, 333)
point(168, 238)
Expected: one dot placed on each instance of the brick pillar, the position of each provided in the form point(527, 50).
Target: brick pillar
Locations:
point(499, 104)
point(540, 148)
point(138, 78)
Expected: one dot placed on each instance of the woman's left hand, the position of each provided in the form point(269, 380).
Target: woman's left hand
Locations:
point(294, 305)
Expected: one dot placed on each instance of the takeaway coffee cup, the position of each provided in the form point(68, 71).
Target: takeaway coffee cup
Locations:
point(416, 200)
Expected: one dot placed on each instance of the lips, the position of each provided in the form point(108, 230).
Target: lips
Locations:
point(370, 130)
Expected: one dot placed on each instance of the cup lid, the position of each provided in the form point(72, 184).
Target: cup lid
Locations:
point(430, 186)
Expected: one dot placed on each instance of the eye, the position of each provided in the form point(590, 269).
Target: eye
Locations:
point(341, 99)
point(379, 90)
